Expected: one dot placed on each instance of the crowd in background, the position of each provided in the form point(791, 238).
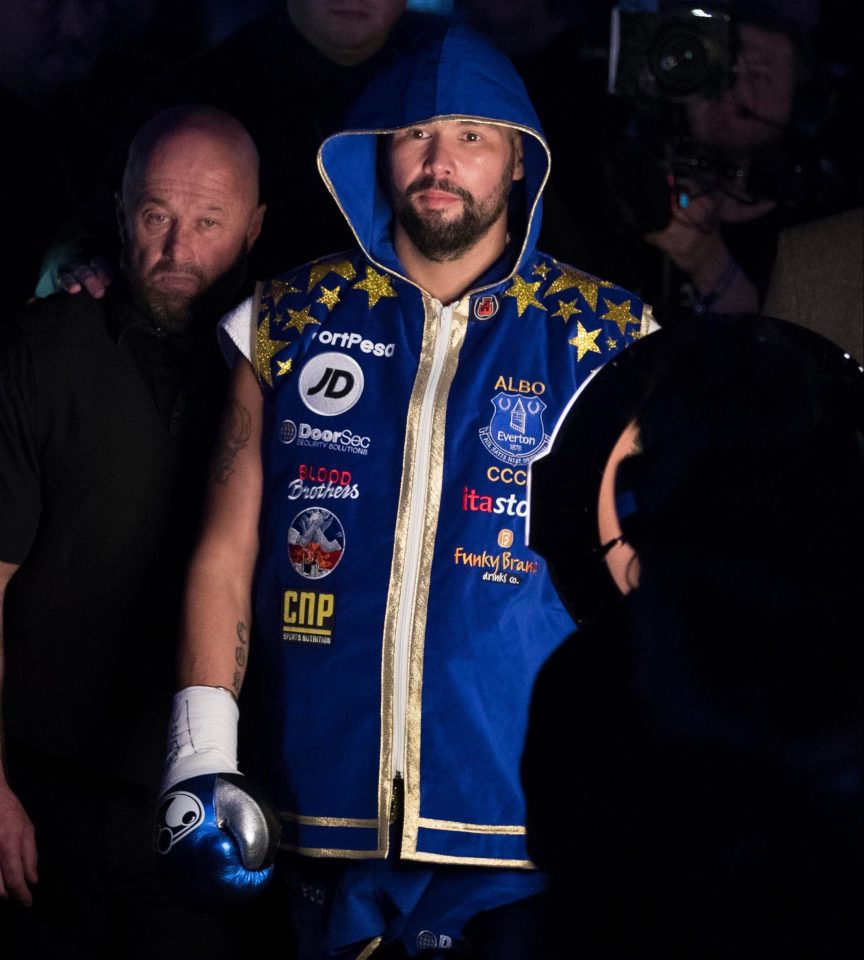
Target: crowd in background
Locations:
point(77, 78)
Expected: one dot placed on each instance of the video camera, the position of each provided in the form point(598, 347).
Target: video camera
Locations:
point(660, 55)
point(672, 53)
point(663, 53)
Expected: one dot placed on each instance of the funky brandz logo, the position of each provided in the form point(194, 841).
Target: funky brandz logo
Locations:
point(515, 433)
point(501, 567)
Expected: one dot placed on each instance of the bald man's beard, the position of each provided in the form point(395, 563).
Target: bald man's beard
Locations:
point(439, 239)
point(178, 311)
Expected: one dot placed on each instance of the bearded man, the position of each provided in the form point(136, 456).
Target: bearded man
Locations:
point(108, 413)
point(397, 392)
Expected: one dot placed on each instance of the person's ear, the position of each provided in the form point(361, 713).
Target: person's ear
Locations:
point(255, 223)
point(614, 507)
point(519, 156)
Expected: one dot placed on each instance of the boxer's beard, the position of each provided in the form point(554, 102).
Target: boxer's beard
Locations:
point(439, 239)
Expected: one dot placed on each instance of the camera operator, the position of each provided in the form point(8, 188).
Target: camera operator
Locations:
point(705, 179)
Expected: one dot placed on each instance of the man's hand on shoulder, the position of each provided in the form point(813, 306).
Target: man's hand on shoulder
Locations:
point(95, 277)
point(17, 849)
point(73, 266)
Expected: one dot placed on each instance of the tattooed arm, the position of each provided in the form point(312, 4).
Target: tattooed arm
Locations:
point(217, 613)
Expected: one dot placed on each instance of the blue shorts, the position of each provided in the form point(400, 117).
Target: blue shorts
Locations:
point(342, 907)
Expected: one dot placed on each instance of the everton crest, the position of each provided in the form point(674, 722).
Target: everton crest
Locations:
point(515, 434)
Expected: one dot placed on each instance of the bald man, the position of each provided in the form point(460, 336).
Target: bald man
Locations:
point(108, 410)
point(289, 76)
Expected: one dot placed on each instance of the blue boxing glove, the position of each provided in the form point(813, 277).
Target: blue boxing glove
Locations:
point(217, 837)
point(216, 834)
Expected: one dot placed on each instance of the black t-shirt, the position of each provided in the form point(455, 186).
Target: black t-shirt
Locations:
point(106, 427)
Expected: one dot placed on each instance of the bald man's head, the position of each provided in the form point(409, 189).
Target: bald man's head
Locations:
point(189, 212)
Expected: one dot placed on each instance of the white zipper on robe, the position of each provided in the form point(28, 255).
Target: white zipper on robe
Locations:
point(414, 538)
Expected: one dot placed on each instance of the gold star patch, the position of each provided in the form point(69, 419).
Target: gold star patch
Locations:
point(619, 314)
point(585, 341)
point(586, 285)
point(566, 310)
point(318, 271)
point(611, 343)
point(300, 319)
point(284, 366)
point(541, 270)
point(377, 285)
point(265, 349)
point(329, 297)
point(523, 292)
point(279, 289)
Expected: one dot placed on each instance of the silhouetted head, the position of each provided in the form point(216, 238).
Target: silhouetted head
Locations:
point(738, 482)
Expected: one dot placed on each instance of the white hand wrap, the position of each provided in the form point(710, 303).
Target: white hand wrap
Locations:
point(202, 734)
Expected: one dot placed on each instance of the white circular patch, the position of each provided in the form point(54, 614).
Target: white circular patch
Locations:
point(316, 542)
point(330, 383)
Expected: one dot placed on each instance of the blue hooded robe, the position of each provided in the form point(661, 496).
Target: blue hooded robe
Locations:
point(400, 618)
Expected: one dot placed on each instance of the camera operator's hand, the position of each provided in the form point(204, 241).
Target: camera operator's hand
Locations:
point(695, 245)
point(692, 238)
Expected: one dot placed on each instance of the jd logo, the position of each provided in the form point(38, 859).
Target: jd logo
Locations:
point(334, 383)
point(331, 383)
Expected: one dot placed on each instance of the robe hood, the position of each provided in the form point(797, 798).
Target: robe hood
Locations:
point(458, 75)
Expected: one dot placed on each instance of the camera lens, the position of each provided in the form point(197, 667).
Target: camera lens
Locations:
point(681, 60)
point(671, 55)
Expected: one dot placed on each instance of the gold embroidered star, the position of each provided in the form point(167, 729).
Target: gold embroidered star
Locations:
point(265, 348)
point(329, 297)
point(585, 341)
point(586, 285)
point(278, 290)
point(377, 285)
point(566, 280)
point(318, 271)
point(523, 292)
point(284, 366)
point(541, 270)
point(300, 319)
point(611, 343)
point(566, 310)
point(619, 314)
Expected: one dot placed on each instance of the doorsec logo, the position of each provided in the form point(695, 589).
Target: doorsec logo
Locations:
point(331, 383)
